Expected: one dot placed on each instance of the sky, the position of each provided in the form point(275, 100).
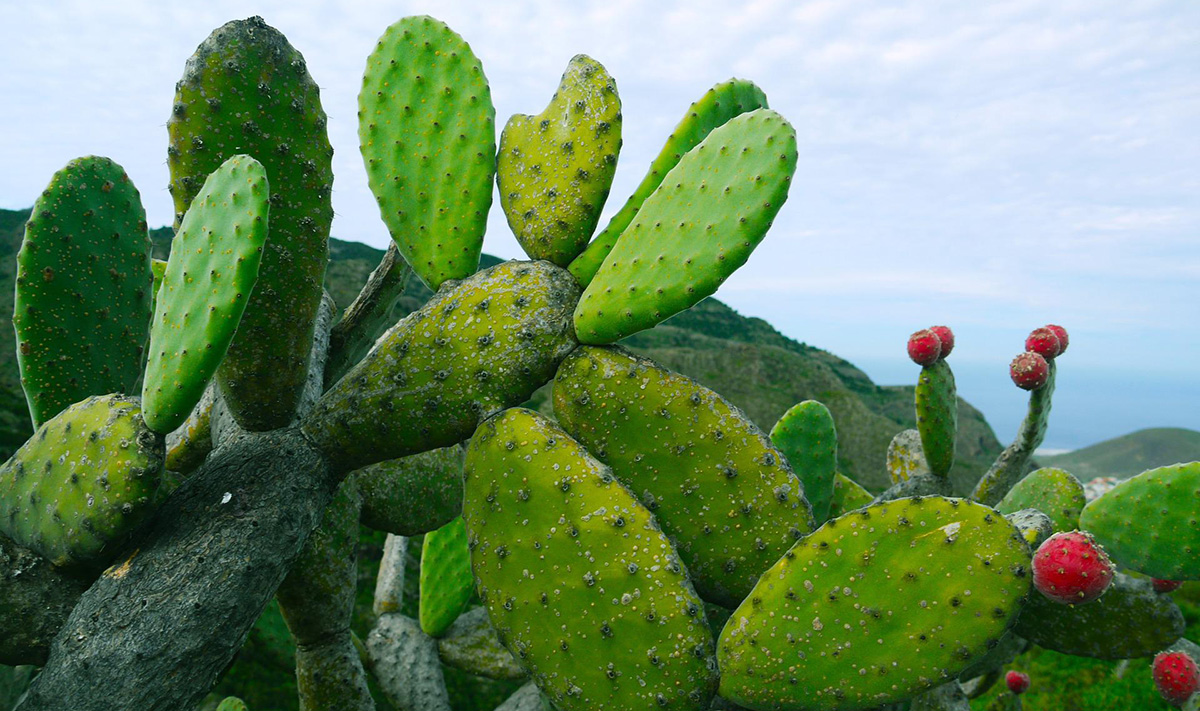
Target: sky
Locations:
point(992, 166)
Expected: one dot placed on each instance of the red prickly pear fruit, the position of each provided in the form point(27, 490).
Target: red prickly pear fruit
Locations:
point(1044, 342)
point(924, 347)
point(1071, 568)
point(1018, 682)
point(946, 336)
point(1166, 586)
point(1063, 340)
point(1029, 371)
point(1175, 676)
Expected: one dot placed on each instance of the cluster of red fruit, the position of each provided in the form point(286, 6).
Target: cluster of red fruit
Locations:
point(929, 345)
point(1031, 369)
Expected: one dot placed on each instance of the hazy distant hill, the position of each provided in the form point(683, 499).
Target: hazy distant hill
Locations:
point(1131, 454)
point(745, 359)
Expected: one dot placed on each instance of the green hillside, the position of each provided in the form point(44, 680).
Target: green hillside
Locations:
point(1131, 454)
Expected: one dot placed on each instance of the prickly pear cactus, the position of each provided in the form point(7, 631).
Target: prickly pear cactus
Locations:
point(578, 580)
point(82, 483)
point(720, 490)
point(446, 580)
point(718, 105)
point(209, 279)
point(905, 457)
point(848, 495)
point(937, 416)
point(695, 230)
point(807, 437)
point(83, 297)
point(247, 90)
point(554, 169)
point(427, 131)
point(875, 607)
point(1054, 492)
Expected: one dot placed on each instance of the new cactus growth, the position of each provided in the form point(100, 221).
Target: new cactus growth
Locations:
point(446, 581)
point(807, 437)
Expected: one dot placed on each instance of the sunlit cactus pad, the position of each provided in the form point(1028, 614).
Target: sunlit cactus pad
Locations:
point(426, 127)
point(698, 227)
point(717, 486)
point(83, 294)
point(875, 607)
point(84, 481)
point(246, 90)
point(578, 580)
point(718, 105)
point(1151, 523)
point(485, 344)
point(905, 456)
point(1054, 492)
point(554, 169)
point(209, 279)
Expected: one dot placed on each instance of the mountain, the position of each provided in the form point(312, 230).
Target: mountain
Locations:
point(1134, 453)
point(754, 366)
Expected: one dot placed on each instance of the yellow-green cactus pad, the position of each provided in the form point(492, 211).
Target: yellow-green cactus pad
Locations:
point(427, 130)
point(718, 105)
point(698, 227)
point(209, 280)
point(554, 169)
point(1151, 522)
point(848, 495)
point(1054, 492)
point(905, 457)
point(82, 483)
point(484, 344)
point(578, 580)
point(875, 607)
point(446, 580)
point(718, 487)
point(807, 437)
point(83, 297)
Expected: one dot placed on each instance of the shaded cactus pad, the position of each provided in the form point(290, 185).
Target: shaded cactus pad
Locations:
point(427, 131)
point(84, 481)
point(807, 437)
point(720, 490)
point(578, 580)
point(209, 279)
point(876, 606)
point(937, 416)
point(83, 293)
point(554, 169)
point(1054, 492)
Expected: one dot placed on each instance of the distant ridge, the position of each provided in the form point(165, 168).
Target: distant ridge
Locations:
point(1130, 454)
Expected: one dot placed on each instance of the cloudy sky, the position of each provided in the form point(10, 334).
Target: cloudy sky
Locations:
point(993, 166)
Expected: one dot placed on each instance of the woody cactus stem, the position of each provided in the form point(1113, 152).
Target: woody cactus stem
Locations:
point(1010, 466)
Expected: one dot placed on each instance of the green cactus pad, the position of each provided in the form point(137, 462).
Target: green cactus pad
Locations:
point(698, 227)
point(876, 606)
point(1128, 621)
point(807, 437)
point(937, 416)
point(579, 582)
point(446, 580)
point(1149, 523)
point(718, 105)
point(412, 495)
point(83, 295)
point(720, 490)
point(209, 280)
point(848, 495)
point(158, 269)
point(905, 457)
point(472, 350)
point(554, 169)
point(84, 481)
point(427, 131)
point(232, 703)
point(1054, 492)
point(246, 90)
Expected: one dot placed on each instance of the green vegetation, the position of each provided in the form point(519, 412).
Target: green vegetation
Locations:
point(1131, 454)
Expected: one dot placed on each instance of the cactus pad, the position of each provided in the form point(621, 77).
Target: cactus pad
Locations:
point(905, 457)
point(209, 279)
point(875, 606)
point(83, 294)
point(246, 90)
point(472, 350)
point(718, 105)
point(1149, 523)
point(414, 494)
point(427, 131)
point(84, 481)
point(848, 495)
point(446, 580)
point(937, 416)
point(807, 437)
point(720, 490)
point(578, 580)
point(698, 227)
point(554, 169)
point(1054, 492)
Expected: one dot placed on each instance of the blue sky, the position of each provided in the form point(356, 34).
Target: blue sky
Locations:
point(993, 166)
